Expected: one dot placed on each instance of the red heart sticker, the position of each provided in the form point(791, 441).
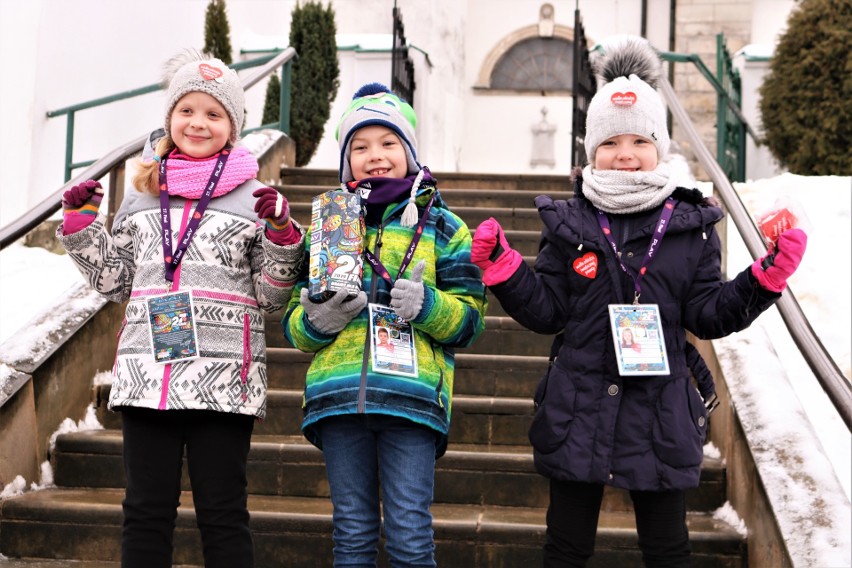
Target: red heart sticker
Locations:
point(587, 265)
point(209, 72)
point(623, 99)
point(196, 215)
point(168, 259)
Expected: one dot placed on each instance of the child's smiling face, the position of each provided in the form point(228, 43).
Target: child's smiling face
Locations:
point(200, 125)
point(376, 151)
point(626, 152)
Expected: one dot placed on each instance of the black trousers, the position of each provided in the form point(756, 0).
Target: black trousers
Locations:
point(572, 524)
point(216, 445)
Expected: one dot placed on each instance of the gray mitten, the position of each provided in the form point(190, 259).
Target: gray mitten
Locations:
point(332, 316)
point(407, 295)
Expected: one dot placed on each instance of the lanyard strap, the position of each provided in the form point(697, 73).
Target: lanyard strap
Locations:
point(377, 265)
point(172, 260)
point(656, 239)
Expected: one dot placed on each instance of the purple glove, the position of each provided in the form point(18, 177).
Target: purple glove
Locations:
point(80, 206)
point(490, 251)
point(773, 269)
point(273, 208)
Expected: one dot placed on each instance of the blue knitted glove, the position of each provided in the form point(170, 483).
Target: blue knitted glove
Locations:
point(407, 295)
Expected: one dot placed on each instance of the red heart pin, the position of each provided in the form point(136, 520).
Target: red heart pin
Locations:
point(209, 72)
point(587, 265)
point(623, 99)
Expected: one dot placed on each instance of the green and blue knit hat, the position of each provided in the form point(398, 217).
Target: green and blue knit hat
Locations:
point(375, 104)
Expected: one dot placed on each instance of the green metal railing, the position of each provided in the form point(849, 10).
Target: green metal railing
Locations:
point(284, 113)
point(731, 125)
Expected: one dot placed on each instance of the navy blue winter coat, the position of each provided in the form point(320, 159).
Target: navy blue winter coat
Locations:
point(591, 424)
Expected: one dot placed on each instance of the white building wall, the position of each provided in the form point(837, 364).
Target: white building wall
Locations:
point(62, 52)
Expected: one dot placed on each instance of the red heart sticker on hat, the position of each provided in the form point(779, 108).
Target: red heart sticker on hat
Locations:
point(623, 99)
point(209, 72)
point(587, 265)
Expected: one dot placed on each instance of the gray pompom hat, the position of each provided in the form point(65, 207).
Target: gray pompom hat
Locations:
point(627, 102)
point(192, 71)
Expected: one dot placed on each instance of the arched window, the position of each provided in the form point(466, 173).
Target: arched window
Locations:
point(527, 62)
point(535, 64)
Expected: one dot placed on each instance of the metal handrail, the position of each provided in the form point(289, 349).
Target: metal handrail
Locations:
point(720, 90)
point(279, 58)
point(114, 159)
point(827, 373)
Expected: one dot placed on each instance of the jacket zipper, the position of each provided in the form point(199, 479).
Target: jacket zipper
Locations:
point(362, 388)
point(246, 355)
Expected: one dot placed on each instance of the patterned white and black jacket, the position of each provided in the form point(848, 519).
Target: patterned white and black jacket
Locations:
point(233, 272)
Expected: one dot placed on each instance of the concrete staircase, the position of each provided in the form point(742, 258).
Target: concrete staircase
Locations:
point(489, 502)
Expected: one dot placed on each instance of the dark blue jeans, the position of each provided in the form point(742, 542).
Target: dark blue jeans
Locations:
point(363, 452)
point(572, 524)
point(217, 445)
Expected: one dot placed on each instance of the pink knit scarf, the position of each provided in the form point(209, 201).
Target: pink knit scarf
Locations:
point(187, 177)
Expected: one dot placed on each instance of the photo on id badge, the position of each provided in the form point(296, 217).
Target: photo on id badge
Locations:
point(638, 339)
point(393, 350)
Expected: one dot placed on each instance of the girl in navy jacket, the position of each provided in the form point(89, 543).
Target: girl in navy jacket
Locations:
point(631, 250)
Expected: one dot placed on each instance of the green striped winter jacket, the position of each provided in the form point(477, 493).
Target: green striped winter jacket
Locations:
point(340, 379)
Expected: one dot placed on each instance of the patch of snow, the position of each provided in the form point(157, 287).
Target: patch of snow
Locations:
point(14, 488)
point(727, 514)
point(712, 451)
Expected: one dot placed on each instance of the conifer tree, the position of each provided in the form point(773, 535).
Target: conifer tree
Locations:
point(217, 32)
point(272, 105)
point(315, 75)
point(805, 104)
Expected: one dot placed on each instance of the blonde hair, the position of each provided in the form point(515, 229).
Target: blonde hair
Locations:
point(147, 178)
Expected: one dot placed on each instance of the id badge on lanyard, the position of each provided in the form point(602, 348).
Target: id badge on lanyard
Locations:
point(637, 333)
point(637, 329)
point(391, 342)
point(173, 331)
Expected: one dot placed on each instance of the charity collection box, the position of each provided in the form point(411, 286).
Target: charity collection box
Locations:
point(336, 246)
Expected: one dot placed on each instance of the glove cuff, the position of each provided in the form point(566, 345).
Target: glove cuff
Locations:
point(503, 268)
point(766, 280)
point(281, 235)
point(74, 221)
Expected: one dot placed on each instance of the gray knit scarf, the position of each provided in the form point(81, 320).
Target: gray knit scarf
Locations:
point(613, 191)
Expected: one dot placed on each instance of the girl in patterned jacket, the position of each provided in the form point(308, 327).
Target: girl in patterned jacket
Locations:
point(198, 252)
point(631, 250)
point(383, 419)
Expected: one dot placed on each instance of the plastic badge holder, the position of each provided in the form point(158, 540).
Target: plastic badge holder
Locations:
point(783, 215)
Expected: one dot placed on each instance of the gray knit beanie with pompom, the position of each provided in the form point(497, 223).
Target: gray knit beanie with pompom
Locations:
point(194, 71)
point(627, 102)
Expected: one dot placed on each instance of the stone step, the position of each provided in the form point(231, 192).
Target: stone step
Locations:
point(468, 474)
point(476, 419)
point(485, 198)
point(328, 179)
point(502, 336)
point(510, 218)
point(476, 374)
point(295, 532)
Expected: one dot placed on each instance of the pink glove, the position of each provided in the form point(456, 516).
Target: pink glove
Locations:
point(80, 206)
point(773, 269)
point(273, 208)
point(490, 251)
